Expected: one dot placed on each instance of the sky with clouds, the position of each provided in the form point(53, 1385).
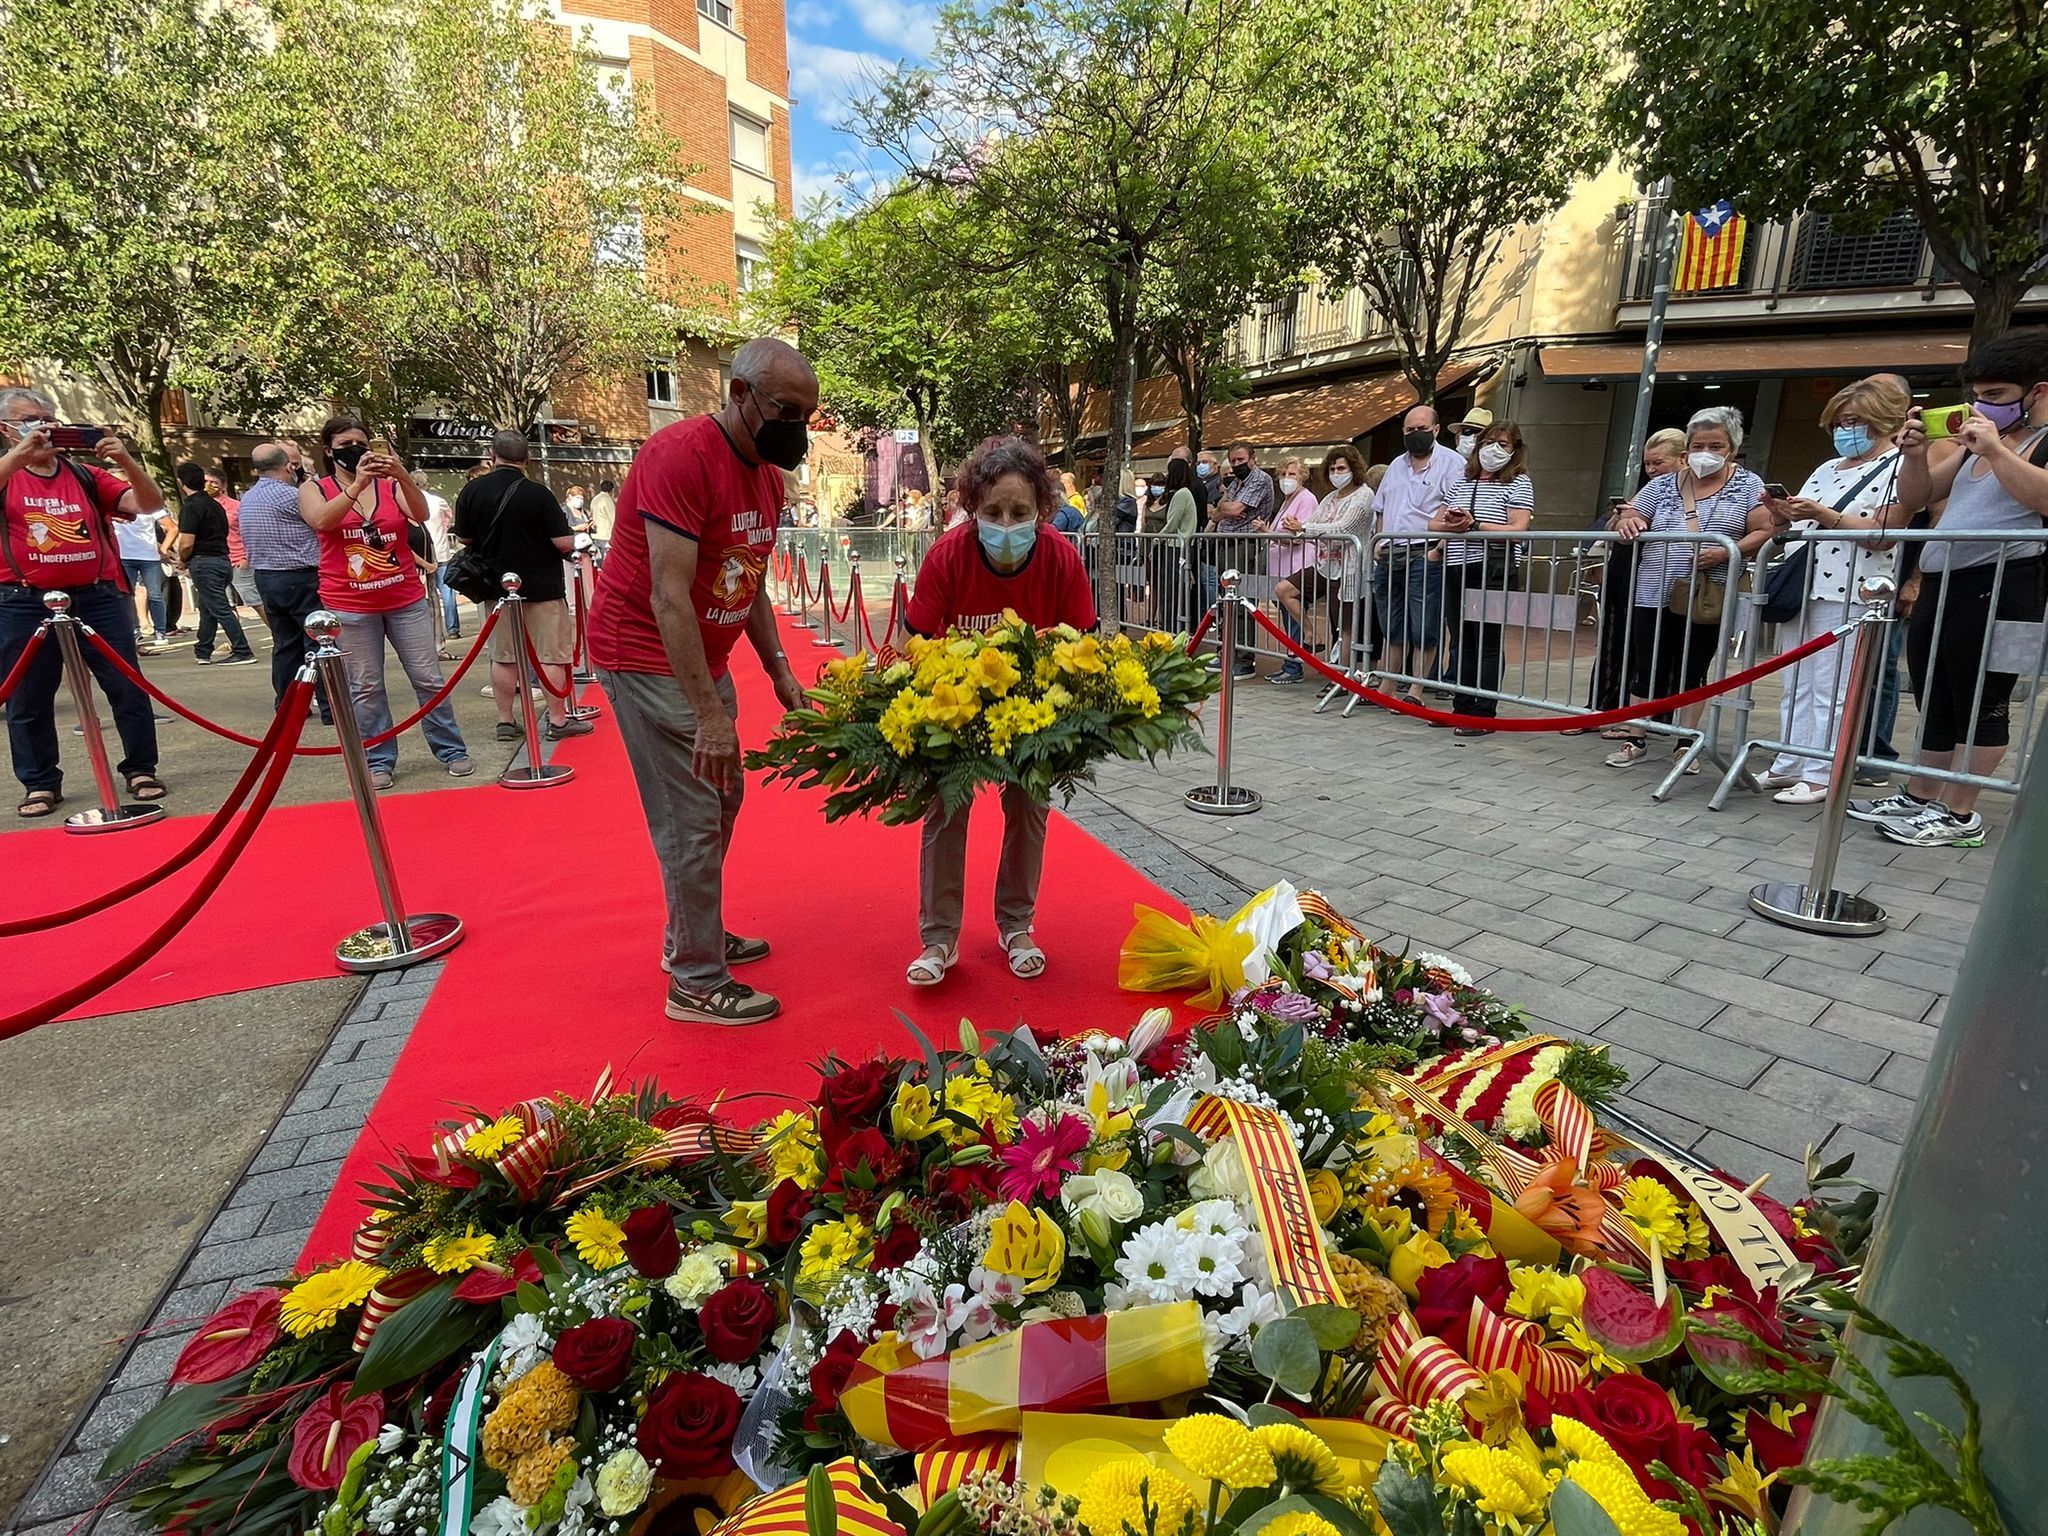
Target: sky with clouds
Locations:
point(834, 47)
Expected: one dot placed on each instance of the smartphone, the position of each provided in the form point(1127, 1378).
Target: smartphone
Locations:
point(1942, 420)
point(1614, 503)
point(380, 445)
point(75, 439)
point(1775, 490)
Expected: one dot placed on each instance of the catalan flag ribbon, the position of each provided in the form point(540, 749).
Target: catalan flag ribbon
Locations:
point(1414, 1370)
point(782, 1513)
point(1057, 1365)
point(942, 1470)
point(1287, 1220)
point(1710, 250)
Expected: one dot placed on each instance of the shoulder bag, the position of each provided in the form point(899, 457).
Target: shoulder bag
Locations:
point(1693, 598)
point(1785, 586)
point(467, 573)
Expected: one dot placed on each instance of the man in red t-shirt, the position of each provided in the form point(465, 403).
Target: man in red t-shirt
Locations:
point(680, 582)
point(56, 533)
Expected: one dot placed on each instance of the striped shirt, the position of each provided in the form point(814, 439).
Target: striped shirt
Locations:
point(1660, 567)
point(1489, 502)
point(276, 537)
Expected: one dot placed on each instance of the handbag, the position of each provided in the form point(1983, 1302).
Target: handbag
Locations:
point(1785, 586)
point(1697, 602)
point(466, 572)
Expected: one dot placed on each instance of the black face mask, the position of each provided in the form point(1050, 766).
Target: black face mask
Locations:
point(298, 474)
point(1242, 471)
point(1419, 442)
point(348, 455)
point(785, 444)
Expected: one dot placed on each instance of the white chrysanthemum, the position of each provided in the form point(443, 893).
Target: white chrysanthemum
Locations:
point(1255, 1308)
point(500, 1517)
point(1154, 1265)
point(1447, 965)
point(520, 1347)
point(1214, 1263)
point(1214, 1217)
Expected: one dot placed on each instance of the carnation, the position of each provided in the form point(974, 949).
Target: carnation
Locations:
point(623, 1482)
point(695, 1279)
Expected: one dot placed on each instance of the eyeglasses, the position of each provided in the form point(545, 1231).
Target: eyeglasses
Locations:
point(782, 410)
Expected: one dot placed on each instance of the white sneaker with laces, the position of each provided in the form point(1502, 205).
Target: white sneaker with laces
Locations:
point(1891, 808)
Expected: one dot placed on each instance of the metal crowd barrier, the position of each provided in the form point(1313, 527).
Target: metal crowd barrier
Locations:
point(1803, 706)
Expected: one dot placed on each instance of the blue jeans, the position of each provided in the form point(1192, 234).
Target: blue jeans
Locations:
point(210, 577)
point(288, 597)
point(149, 575)
point(32, 711)
point(1409, 593)
point(411, 632)
point(451, 610)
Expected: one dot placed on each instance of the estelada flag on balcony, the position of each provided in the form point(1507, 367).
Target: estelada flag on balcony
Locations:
point(1710, 249)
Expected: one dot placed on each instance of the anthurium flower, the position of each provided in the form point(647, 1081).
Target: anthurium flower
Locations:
point(329, 1432)
point(488, 1282)
point(231, 1340)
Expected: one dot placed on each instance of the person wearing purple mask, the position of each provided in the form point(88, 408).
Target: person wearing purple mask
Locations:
point(1993, 474)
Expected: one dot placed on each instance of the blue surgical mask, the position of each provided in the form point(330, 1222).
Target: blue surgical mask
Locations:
point(1007, 543)
point(1852, 442)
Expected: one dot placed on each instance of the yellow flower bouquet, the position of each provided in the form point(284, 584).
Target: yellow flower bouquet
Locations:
point(1034, 708)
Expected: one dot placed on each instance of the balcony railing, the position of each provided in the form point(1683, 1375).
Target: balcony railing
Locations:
point(1305, 324)
point(1807, 254)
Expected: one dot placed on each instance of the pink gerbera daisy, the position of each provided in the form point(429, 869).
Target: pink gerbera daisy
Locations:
point(1041, 1156)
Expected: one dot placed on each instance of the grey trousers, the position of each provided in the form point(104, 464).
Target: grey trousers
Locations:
point(689, 821)
point(942, 871)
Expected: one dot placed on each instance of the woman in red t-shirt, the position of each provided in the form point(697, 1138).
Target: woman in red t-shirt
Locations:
point(362, 509)
point(1004, 556)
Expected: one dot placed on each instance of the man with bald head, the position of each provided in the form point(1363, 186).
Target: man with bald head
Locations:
point(679, 586)
point(1408, 587)
point(285, 555)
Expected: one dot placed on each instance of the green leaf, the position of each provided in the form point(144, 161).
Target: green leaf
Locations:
point(427, 1330)
point(184, 1413)
point(1285, 1353)
point(1574, 1513)
point(821, 1503)
point(1334, 1327)
point(1406, 1501)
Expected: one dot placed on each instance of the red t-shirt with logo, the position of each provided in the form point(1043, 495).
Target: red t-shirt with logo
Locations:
point(54, 536)
point(958, 589)
point(690, 479)
point(366, 564)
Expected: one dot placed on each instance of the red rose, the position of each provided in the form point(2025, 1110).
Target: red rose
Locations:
point(1632, 1413)
point(866, 1148)
point(958, 1192)
point(829, 1376)
point(736, 1319)
point(788, 1205)
point(898, 1246)
point(851, 1096)
point(491, 1282)
point(1446, 1293)
point(330, 1431)
point(596, 1355)
point(231, 1340)
point(651, 1244)
point(688, 1427)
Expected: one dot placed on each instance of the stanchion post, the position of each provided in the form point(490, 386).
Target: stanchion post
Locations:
point(110, 815)
point(1817, 906)
point(400, 940)
point(802, 599)
point(1223, 798)
point(824, 635)
point(855, 606)
point(534, 774)
point(899, 598)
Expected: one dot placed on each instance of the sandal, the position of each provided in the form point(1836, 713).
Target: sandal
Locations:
point(37, 803)
point(1632, 752)
point(1618, 733)
point(146, 786)
point(1027, 960)
point(929, 968)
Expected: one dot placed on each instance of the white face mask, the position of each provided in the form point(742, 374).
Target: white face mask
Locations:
point(1494, 456)
point(1340, 478)
point(1289, 485)
point(1139, 489)
point(1705, 466)
point(576, 501)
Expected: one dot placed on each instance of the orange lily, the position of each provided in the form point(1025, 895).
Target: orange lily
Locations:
point(1568, 1210)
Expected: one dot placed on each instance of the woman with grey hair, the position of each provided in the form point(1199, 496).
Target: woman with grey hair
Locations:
point(1671, 652)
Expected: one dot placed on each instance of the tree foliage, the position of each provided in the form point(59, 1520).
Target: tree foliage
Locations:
point(1446, 128)
point(1860, 110)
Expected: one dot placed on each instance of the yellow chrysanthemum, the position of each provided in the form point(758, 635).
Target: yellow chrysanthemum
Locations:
point(1118, 1493)
point(900, 720)
point(316, 1301)
point(975, 1095)
point(1303, 1462)
point(1615, 1490)
point(456, 1254)
point(532, 1476)
point(794, 1151)
point(1655, 1213)
point(1218, 1449)
point(1505, 1486)
point(830, 1247)
point(600, 1241)
point(1546, 1296)
point(1299, 1522)
point(1010, 718)
point(1583, 1443)
point(1133, 686)
point(495, 1137)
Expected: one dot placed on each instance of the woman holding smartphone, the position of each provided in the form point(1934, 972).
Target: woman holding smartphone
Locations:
point(363, 510)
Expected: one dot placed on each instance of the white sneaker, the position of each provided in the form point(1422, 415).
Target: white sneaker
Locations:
point(1891, 808)
point(1936, 827)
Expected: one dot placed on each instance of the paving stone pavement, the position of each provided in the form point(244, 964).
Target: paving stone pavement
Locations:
point(253, 1239)
point(1610, 917)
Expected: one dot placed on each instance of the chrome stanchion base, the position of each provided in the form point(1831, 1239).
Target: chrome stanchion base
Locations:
point(583, 676)
point(1238, 802)
point(521, 776)
point(370, 949)
point(121, 817)
point(1835, 912)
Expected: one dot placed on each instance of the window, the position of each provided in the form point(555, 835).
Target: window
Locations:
point(661, 384)
point(750, 262)
point(749, 143)
point(621, 245)
point(719, 11)
point(615, 81)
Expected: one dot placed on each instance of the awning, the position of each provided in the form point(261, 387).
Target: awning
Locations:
point(1318, 415)
point(1770, 357)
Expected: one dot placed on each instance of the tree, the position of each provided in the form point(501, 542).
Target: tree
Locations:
point(1859, 110)
point(134, 197)
point(491, 220)
point(1114, 135)
point(895, 324)
point(1450, 126)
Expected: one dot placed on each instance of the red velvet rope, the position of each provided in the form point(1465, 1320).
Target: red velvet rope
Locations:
point(540, 672)
point(293, 717)
point(1583, 722)
point(803, 582)
point(177, 861)
point(846, 608)
point(20, 669)
point(1201, 629)
point(411, 720)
